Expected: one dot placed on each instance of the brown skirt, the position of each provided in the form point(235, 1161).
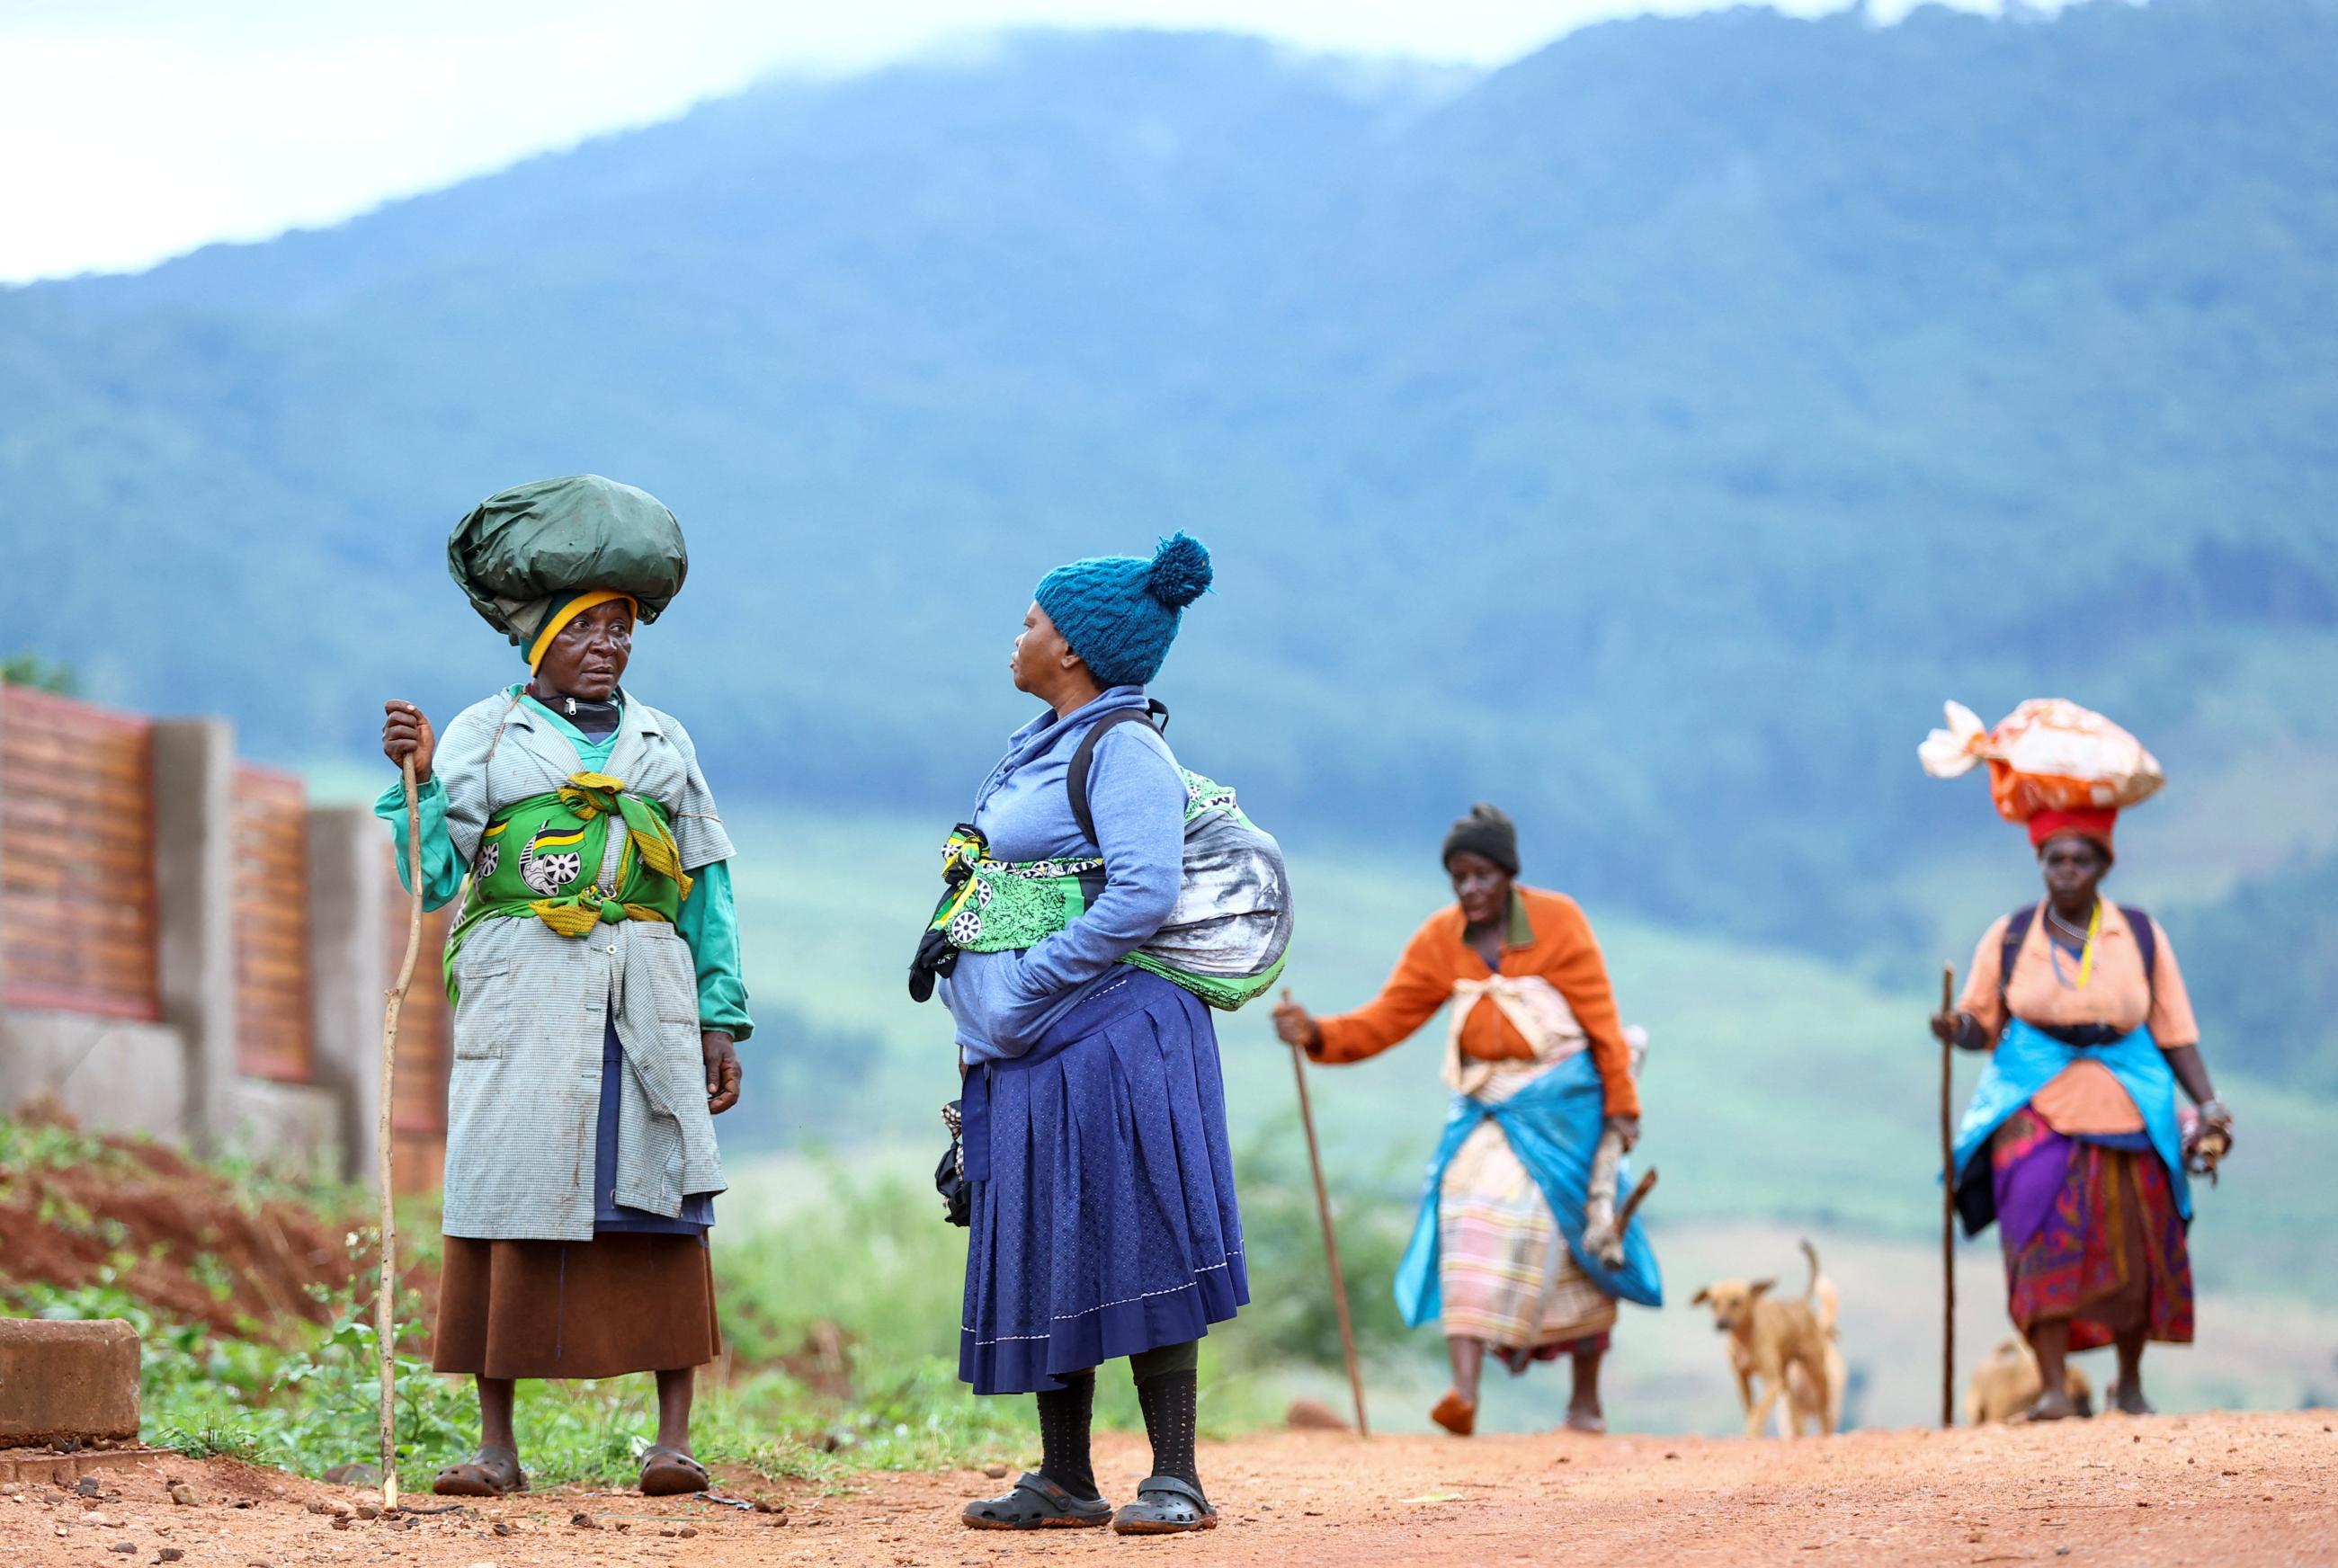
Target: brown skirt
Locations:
point(600, 1309)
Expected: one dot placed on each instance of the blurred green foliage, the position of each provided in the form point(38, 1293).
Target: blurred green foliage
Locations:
point(839, 1314)
point(40, 674)
point(2263, 969)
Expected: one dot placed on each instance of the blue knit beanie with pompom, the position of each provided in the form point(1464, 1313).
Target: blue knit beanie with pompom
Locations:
point(1120, 612)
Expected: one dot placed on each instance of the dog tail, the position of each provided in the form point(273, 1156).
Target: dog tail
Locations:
point(1811, 1291)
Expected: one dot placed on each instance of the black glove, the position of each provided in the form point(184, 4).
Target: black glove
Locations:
point(936, 958)
point(949, 1176)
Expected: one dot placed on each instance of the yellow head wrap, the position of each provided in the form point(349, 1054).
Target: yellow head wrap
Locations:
point(563, 614)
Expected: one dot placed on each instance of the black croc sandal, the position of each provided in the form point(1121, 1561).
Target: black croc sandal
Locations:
point(492, 1472)
point(1036, 1503)
point(1165, 1506)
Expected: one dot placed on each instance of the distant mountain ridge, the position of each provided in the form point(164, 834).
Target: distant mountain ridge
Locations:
point(1647, 435)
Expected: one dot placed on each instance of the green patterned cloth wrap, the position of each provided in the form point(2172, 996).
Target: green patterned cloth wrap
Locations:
point(1226, 941)
point(541, 858)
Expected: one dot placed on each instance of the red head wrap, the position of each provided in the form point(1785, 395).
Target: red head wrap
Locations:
point(2094, 824)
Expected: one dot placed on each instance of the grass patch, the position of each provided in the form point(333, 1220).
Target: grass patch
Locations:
point(839, 1298)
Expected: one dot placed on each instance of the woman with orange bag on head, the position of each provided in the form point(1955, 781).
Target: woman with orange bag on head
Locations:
point(2072, 1144)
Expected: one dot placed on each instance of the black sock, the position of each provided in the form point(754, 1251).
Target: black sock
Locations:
point(1172, 1406)
point(1064, 1417)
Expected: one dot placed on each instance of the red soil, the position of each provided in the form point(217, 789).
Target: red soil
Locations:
point(171, 1215)
point(2223, 1490)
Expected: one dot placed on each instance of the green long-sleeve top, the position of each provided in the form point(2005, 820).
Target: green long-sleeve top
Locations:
point(709, 916)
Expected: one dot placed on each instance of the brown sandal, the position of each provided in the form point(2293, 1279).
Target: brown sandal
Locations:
point(1455, 1414)
point(671, 1473)
point(493, 1472)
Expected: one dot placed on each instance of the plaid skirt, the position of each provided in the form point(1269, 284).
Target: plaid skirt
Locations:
point(1505, 1272)
point(2090, 1233)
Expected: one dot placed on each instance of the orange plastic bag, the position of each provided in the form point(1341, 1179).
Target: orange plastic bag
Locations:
point(2046, 755)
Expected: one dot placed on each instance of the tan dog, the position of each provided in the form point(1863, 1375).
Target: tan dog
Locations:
point(1804, 1408)
point(1780, 1342)
point(2006, 1384)
point(1801, 1400)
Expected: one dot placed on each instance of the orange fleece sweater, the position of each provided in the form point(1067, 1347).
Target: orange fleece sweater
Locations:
point(1548, 937)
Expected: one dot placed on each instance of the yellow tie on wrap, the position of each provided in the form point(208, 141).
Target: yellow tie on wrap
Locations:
point(574, 916)
point(591, 795)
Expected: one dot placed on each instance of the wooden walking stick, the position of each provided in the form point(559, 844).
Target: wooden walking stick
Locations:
point(1331, 1240)
point(1948, 1220)
point(384, 1308)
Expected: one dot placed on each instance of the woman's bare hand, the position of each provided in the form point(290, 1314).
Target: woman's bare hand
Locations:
point(723, 1070)
point(407, 732)
point(1296, 1028)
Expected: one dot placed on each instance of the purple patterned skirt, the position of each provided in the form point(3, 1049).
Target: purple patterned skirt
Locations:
point(2090, 1233)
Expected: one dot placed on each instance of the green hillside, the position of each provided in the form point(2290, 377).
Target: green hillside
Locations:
point(1779, 1088)
point(1647, 435)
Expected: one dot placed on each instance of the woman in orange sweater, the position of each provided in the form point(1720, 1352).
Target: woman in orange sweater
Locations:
point(1539, 1066)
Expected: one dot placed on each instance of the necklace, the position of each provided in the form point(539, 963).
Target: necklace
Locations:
point(2076, 933)
point(2087, 952)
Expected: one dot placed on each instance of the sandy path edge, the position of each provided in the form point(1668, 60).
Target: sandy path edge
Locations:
point(2220, 1489)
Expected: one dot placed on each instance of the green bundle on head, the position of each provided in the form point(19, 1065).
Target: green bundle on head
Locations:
point(525, 552)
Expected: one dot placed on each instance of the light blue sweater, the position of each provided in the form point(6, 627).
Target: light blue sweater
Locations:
point(1004, 1002)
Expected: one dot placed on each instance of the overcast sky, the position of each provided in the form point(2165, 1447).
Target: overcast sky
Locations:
point(138, 128)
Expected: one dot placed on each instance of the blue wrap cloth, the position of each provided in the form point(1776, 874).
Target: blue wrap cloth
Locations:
point(1552, 1125)
point(609, 1216)
point(2025, 1060)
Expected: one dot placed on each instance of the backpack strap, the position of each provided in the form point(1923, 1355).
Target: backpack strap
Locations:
point(2017, 927)
point(2146, 939)
point(1084, 757)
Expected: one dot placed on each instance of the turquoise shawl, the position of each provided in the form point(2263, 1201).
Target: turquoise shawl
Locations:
point(1552, 1125)
point(2026, 1059)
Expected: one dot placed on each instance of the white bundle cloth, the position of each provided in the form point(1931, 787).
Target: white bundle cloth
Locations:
point(2047, 755)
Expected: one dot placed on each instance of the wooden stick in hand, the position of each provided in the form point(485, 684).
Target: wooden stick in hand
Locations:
point(385, 1301)
point(1331, 1238)
point(1947, 1218)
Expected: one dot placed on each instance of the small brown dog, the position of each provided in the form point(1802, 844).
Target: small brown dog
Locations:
point(1782, 1343)
point(2006, 1384)
point(1803, 1407)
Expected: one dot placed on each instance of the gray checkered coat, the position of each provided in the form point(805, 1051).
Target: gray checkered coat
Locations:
point(524, 1096)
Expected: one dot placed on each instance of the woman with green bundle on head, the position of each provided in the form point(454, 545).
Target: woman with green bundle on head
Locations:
point(594, 969)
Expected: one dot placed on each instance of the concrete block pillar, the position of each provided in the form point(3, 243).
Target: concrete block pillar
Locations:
point(194, 891)
point(347, 974)
point(62, 1382)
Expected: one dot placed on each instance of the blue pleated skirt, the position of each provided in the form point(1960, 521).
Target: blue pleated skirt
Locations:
point(1103, 1217)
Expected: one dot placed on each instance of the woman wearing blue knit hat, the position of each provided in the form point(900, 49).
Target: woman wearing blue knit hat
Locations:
point(1095, 1156)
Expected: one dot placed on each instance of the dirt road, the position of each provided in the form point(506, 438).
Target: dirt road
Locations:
point(2207, 1489)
